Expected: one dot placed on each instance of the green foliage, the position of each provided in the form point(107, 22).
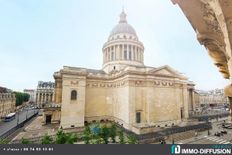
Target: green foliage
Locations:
point(25, 141)
point(121, 137)
point(87, 135)
point(65, 138)
point(97, 140)
point(3, 141)
point(132, 139)
point(71, 138)
point(21, 97)
point(113, 132)
point(105, 133)
point(46, 139)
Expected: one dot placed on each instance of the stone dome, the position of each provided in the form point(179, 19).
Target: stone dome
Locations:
point(123, 48)
point(123, 27)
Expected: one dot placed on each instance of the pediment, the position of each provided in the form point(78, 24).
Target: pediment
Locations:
point(164, 72)
point(167, 71)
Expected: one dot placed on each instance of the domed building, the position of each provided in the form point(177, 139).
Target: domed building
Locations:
point(123, 47)
point(137, 97)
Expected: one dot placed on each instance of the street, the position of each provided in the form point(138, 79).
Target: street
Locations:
point(6, 126)
point(211, 139)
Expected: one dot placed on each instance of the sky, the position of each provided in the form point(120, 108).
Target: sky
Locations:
point(39, 37)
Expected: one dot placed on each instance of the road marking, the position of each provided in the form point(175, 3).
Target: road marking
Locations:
point(212, 138)
point(227, 143)
point(219, 140)
point(222, 142)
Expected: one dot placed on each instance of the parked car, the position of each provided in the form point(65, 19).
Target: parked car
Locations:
point(218, 134)
point(224, 132)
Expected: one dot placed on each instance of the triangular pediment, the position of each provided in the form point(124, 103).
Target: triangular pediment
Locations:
point(166, 71)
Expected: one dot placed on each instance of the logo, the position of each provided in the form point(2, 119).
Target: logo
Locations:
point(175, 149)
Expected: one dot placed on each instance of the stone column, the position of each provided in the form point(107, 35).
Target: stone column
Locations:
point(107, 50)
point(123, 49)
point(120, 48)
point(133, 53)
point(110, 53)
point(193, 100)
point(116, 52)
point(185, 101)
point(127, 52)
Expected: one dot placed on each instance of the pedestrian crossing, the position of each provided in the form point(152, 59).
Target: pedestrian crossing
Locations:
point(217, 140)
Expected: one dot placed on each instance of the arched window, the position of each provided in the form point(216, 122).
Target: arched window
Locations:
point(73, 95)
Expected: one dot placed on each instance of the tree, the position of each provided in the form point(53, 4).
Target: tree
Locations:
point(65, 138)
point(132, 139)
point(71, 138)
point(105, 133)
point(121, 137)
point(21, 97)
point(47, 139)
point(113, 132)
point(87, 135)
point(25, 141)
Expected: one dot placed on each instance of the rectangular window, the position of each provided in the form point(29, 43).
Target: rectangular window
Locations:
point(138, 117)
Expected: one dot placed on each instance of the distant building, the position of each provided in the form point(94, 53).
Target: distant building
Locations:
point(32, 94)
point(211, 98)
point(7, 102)
point(4, 90)
point(44, 93)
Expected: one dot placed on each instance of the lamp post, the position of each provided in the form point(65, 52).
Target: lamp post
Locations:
point(26, 113)
point(17, 118)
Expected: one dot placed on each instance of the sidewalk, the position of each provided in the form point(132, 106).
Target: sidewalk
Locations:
point(36, 130)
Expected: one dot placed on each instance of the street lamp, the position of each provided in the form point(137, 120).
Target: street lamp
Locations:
point(26, 113)
point(18, 118)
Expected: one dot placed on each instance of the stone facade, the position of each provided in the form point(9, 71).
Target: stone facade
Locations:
point(44, 93)
point(212, 22)
point(7, 103)
point(125, 91)
point(212, 98)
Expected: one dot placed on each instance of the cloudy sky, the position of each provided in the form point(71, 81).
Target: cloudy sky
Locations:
point(38, 37)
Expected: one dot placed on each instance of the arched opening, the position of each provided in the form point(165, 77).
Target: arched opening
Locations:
point(73, 95)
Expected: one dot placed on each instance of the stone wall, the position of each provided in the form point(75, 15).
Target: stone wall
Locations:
point(7, 103)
